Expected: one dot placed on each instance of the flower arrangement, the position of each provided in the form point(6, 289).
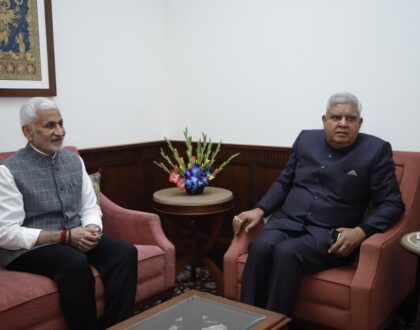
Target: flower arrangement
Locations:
point(196, 171)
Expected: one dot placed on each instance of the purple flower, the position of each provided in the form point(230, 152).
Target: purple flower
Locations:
point(195, 179)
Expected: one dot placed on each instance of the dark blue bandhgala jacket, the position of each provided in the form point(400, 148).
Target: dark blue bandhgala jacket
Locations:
point(323, 188)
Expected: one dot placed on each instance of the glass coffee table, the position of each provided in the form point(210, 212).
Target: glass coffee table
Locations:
point(195, 310)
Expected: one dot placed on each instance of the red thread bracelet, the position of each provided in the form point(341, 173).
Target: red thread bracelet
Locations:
point(63, 236)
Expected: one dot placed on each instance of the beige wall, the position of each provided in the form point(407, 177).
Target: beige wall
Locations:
point(259, 71)
point(244, 71)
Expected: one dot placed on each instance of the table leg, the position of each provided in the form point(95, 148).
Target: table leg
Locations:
point(198, 253)
point(215, 272)
point(171, 227)
point(216, 227)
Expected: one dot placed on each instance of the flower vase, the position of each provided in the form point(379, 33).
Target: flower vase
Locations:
point(194, 190)
point(195, 179)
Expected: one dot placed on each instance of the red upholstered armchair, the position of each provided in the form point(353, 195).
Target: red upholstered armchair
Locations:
point(30, 301)
point(362, 295)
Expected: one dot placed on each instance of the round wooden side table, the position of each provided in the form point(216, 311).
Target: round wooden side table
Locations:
point(411, 242)
point(213, 202)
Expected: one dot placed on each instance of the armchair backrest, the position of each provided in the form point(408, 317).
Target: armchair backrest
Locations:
point(5, 155)
point(407, 171)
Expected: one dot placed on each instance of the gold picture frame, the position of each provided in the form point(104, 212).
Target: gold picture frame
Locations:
point(27, 65)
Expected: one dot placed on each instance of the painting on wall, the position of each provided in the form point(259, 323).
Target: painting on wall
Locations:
point(26, 48)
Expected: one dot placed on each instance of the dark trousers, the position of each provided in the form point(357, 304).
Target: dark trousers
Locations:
point(277, 260)
point(116, 262)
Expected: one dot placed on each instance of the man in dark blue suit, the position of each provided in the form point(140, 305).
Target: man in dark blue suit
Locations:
point(332, 177)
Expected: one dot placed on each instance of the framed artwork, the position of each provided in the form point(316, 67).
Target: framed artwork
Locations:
point(26, 48)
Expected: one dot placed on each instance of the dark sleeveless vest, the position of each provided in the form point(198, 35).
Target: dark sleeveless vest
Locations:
point(51, 190)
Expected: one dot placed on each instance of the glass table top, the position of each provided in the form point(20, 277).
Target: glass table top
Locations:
point(195, 313)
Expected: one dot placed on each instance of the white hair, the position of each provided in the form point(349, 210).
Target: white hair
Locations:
point(344, 98)
point(28, 111)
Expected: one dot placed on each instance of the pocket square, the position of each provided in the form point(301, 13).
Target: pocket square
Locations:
point(352, 172)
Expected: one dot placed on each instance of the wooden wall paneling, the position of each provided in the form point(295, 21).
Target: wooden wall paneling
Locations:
point(121, 184)
point(265, 176)
point(153, 179)
point(122, 169)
